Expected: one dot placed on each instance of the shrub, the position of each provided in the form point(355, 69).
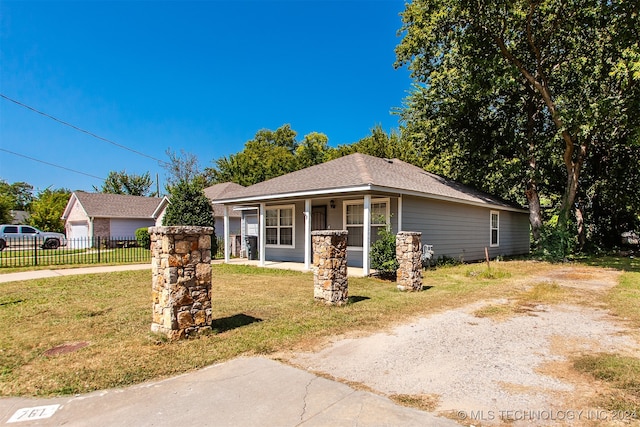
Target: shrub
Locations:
point(383, 253)
point(143, 238)
point(188, 205)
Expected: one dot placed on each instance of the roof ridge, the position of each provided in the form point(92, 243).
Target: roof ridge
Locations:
point(363, 168)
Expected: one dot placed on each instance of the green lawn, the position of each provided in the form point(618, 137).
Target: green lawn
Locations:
point(255, 311)
point(13, 260)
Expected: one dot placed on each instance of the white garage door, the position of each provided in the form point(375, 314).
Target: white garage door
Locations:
point(126, 228)
point(78, 237)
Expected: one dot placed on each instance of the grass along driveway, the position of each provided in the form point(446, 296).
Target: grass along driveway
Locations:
point(82, 333)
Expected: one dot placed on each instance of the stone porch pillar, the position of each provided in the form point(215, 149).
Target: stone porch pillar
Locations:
point(330, 283)
point(408, 254)
point(181, 283)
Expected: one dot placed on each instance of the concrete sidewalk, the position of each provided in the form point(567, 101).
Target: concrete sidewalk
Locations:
point(252, 391)
point(41, 274)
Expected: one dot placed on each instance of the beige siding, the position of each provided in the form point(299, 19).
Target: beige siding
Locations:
point(77, 215)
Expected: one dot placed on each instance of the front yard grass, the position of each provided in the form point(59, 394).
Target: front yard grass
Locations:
point(255, 311)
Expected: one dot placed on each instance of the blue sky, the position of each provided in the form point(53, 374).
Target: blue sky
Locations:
point(200, 76)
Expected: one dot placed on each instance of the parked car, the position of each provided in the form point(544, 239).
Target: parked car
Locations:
point(26, 235)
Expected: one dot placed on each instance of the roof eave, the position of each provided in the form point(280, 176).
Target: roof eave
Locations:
point(367, 187)
point(452, 199)
point(296, 194)
point(160, 207)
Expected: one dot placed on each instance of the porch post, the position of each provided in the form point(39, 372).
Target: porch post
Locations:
point(400, 213)
point(366, 235)
point(226, 233)
point(263, 236)
point(307, 234)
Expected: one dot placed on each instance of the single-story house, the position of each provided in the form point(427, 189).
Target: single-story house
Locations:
point(116, 216)
point(215, 192)
point(362, 194)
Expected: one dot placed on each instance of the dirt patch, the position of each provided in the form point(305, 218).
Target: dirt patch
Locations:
point(507, 365)
point(65, 348)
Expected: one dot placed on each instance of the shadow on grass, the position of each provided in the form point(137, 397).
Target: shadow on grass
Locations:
point(623, 263)
point(355, 298)
point(426, 287)
point(233, 322)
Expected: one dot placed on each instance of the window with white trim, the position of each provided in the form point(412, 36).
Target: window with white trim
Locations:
point(354, 220)
point(280, 226)
point(495, 229)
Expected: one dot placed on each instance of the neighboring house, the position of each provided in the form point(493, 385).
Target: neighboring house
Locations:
point(110, 215)
point(215, 192)
point(363, 194)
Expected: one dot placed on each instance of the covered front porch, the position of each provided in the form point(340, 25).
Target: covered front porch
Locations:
point(282, 228)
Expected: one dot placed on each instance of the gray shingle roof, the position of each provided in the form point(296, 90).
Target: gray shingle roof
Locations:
point(218, 191)
point(101, 205)
point(358, 172)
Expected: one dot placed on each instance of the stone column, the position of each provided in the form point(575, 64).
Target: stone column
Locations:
point(181, 284)
point(330, 283)
point(408, 254)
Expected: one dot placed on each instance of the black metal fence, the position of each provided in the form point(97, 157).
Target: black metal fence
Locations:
point(28, 252)
point(219, 253)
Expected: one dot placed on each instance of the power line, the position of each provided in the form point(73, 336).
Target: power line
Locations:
point(81, 130)
point(51, 164)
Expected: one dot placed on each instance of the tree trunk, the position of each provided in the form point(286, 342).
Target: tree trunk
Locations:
point(573, 162)
point(531, 192)
point(580, 226)
point(535, 217)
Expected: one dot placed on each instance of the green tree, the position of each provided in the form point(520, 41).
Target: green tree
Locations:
point(5, 209)
point(47, 209)
point(189, 206)
point(19, 195)
point(268, 155)
point(550, 81)
point(312, 150)
point(130, 184)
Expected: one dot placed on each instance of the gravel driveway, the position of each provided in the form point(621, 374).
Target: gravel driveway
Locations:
point(484, 371)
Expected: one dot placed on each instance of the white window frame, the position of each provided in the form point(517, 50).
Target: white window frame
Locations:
point(492, 228)
point(360, 202)
point(278, 227)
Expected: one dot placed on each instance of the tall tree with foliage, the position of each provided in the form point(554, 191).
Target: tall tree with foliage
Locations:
point(379, 144)
point(312, 150)
point(5, 209)
point(559, 80)
point(47, 209)
point(19, 195)
point(129, 184)
point(268, 155)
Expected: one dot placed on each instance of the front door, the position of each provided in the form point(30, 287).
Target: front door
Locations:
point(318, 218)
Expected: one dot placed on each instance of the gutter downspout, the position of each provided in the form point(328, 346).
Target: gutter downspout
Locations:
point(307, 234)
point(366, 235)
point(262, 237)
